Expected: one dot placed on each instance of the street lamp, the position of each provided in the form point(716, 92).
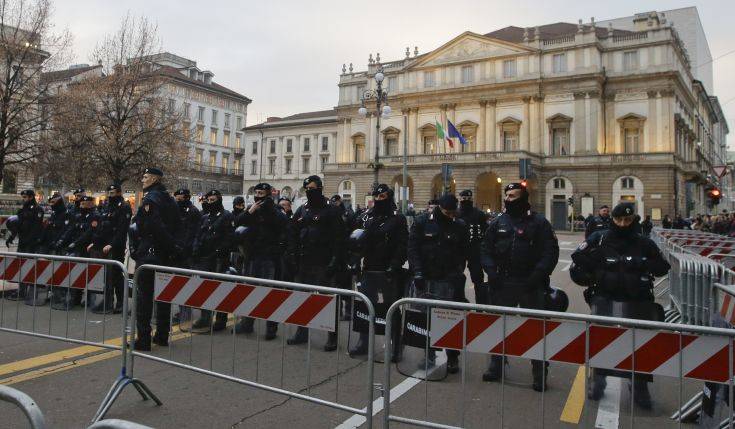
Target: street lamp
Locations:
point(380, 96)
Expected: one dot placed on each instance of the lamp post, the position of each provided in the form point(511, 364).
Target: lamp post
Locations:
point(380, 96)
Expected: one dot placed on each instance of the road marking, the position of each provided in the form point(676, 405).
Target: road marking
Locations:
point(566, 267)
point(608, 411)
point(409, 383)
point(572, 411)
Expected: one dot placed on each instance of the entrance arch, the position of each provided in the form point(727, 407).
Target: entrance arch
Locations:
point(629, 189)
point(397, 182)
point(558, 191)
point(437, 186)
point(488, 192)
point(347, 192)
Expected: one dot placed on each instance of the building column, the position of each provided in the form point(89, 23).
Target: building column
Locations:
point(417, 149)
point(490, 127)
point(480, 137)
point(526, 126)
point(587, 124)
point(537, 114)
point(578, 125)
point(649, 139)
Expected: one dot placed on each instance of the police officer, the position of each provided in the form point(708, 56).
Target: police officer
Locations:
point(598, 223)
point(110, 243)
point(380, 249)
point(438, 247)
point(76, 241)
point(267, 234)
point(476, 221)
point(315, 246)
point(155, 239)
point(618, 266)
point(211, 250)
point(238, 206)
point(519, 253)
point(56, 224)
point(285, 205)
point(30, 233)
point(343, 277)
point(73, 207)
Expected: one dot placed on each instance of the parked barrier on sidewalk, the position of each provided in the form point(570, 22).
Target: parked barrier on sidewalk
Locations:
point(308, 306)
point(627, 345)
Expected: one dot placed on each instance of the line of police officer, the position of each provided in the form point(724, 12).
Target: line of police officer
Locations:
point(517, 251)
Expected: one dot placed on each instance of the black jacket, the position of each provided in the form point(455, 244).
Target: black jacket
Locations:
point(438, 247)
point(114, 231)
point(476, 221)
point(622, 267)
point(317, 236)
point(215, 235)
point(158, 225)
point(598, 223)
point(521, 249)
point(191, 219)
point(268, 239)
point(56, 226)
point(81, 232)
point(385, 244)
point(30, 227)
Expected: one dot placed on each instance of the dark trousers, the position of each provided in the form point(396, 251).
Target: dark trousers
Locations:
point(450, 288)
point(114, 279)
point(144, 305)
point(478, 276)
point(263, 268)
point(213, 265)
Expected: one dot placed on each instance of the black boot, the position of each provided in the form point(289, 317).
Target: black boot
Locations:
point(62, 300)
point(16, 295)
point(641, 395)
point(494, 370)
point(36, 296)
point(452, 361)
point(331, 342)
point(300, 337)
point(161, 339)
point(220, 323)
point(105, 304)
point(540, 371)
point(597, 388)
point(142, 343)
point(361, 348)
point(396, 354)
point(203, 323)
point(244, 326)
point(270, 330)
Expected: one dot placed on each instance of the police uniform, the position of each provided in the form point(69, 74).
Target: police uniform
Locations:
point(211, 251)
point(30, 233)
point(618, 266)
point(476, 221)
point(315, 247)
point(114, 233)
point(381, 247)
point(519, 253)
point(343, 277)
point(154, 240)
point(265, 248)
point(438, 248)
point(237, 201)
point(191, 218)
point(597, 223)
point(56, 226)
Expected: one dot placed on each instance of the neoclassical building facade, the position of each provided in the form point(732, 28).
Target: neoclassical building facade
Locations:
point(602, 114)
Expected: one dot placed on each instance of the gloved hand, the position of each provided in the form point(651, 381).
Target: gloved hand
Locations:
point(72, 246)
point(353, 269)
point(419, 282)
point(9, 241)
point(58, 245)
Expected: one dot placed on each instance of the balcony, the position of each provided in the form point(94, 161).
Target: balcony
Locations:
point(215, 171)
point(238, 151)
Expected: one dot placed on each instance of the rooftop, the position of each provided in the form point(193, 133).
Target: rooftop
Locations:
point(319, 116)
point(177, 74)
point(514, 34)
point(69, 73)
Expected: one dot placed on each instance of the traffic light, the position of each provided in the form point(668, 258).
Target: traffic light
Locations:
point(570, 201)
point(715, 195)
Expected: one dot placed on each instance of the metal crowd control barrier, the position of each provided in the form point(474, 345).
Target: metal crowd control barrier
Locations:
point(610, 343)
point(26, 404)
point(68, 273)
point(313, 307)
point(117, 424)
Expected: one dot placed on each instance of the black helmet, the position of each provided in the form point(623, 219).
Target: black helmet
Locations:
point(238, 200)
point(556, 300)
point(12, 224)
point(243, 234)
point(357, 240)
point(581, 276)
point(315, 179)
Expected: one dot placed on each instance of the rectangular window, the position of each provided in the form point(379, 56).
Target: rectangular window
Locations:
point(254, 167)
point(198, 158)
point(213, 136)
point(200, 114)
point(271, 166)
point(238, 141)
point(393, 84)
point(325, 144)
point(360, 91)
point(288, 165)
point(171, 105)
point(225, 161)
point(468, 74)
point(214, 117)
point(200, 134)
point(429, 145)
point(391, 146)
point(227, 120)
point(212, 159)
point(273, 147)
point(509, 68)
point(305, 168)
point(236, 166)
point(239, 123)
point(630, 60)
point(289, 145)
point(255, 148)
point(510, 140)
point(307, 144)
point(429, 81)
point(187, 110)
point(560, 63)
point(226, 139)
point(359, 152)
point(325, 160)
point(560, 141)
point(632, 138)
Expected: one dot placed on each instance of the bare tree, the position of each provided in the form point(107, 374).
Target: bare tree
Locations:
point(28, 45)
point(121, 121)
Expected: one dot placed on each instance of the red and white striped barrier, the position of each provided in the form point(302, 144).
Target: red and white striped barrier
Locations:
point(649, 351)
point(306, 309)
point(727, 308)
point(44, 272)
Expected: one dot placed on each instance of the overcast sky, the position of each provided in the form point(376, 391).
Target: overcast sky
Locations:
point(287, 55)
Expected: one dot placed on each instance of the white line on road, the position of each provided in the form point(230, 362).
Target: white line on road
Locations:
point(608, 411)
point(409, 383)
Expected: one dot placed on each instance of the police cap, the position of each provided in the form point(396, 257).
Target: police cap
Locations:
point(448, 202)
point(263, 187)
point(314, 179)
point(153, 170)
point(381, 189)
point(27, 193)
point(213, 192)
point(54, 195)
point(86, 198)
point(515, 185)
point(336, 197)
point(78, 191)
point(114, 187)
point(466, 193)
point(623, 209)
point(238, 200)
point(183, 191)
point(434, 202)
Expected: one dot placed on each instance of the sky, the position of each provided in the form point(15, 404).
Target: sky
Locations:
point(287, 55)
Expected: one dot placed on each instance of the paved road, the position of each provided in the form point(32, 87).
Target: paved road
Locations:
point(68, 381)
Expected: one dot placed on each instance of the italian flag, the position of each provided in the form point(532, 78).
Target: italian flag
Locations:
point(441, 135)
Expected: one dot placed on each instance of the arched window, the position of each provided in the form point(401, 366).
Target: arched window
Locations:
point(627, 183)
point(560, 183)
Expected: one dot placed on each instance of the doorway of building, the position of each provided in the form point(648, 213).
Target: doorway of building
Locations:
point(488, 192)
